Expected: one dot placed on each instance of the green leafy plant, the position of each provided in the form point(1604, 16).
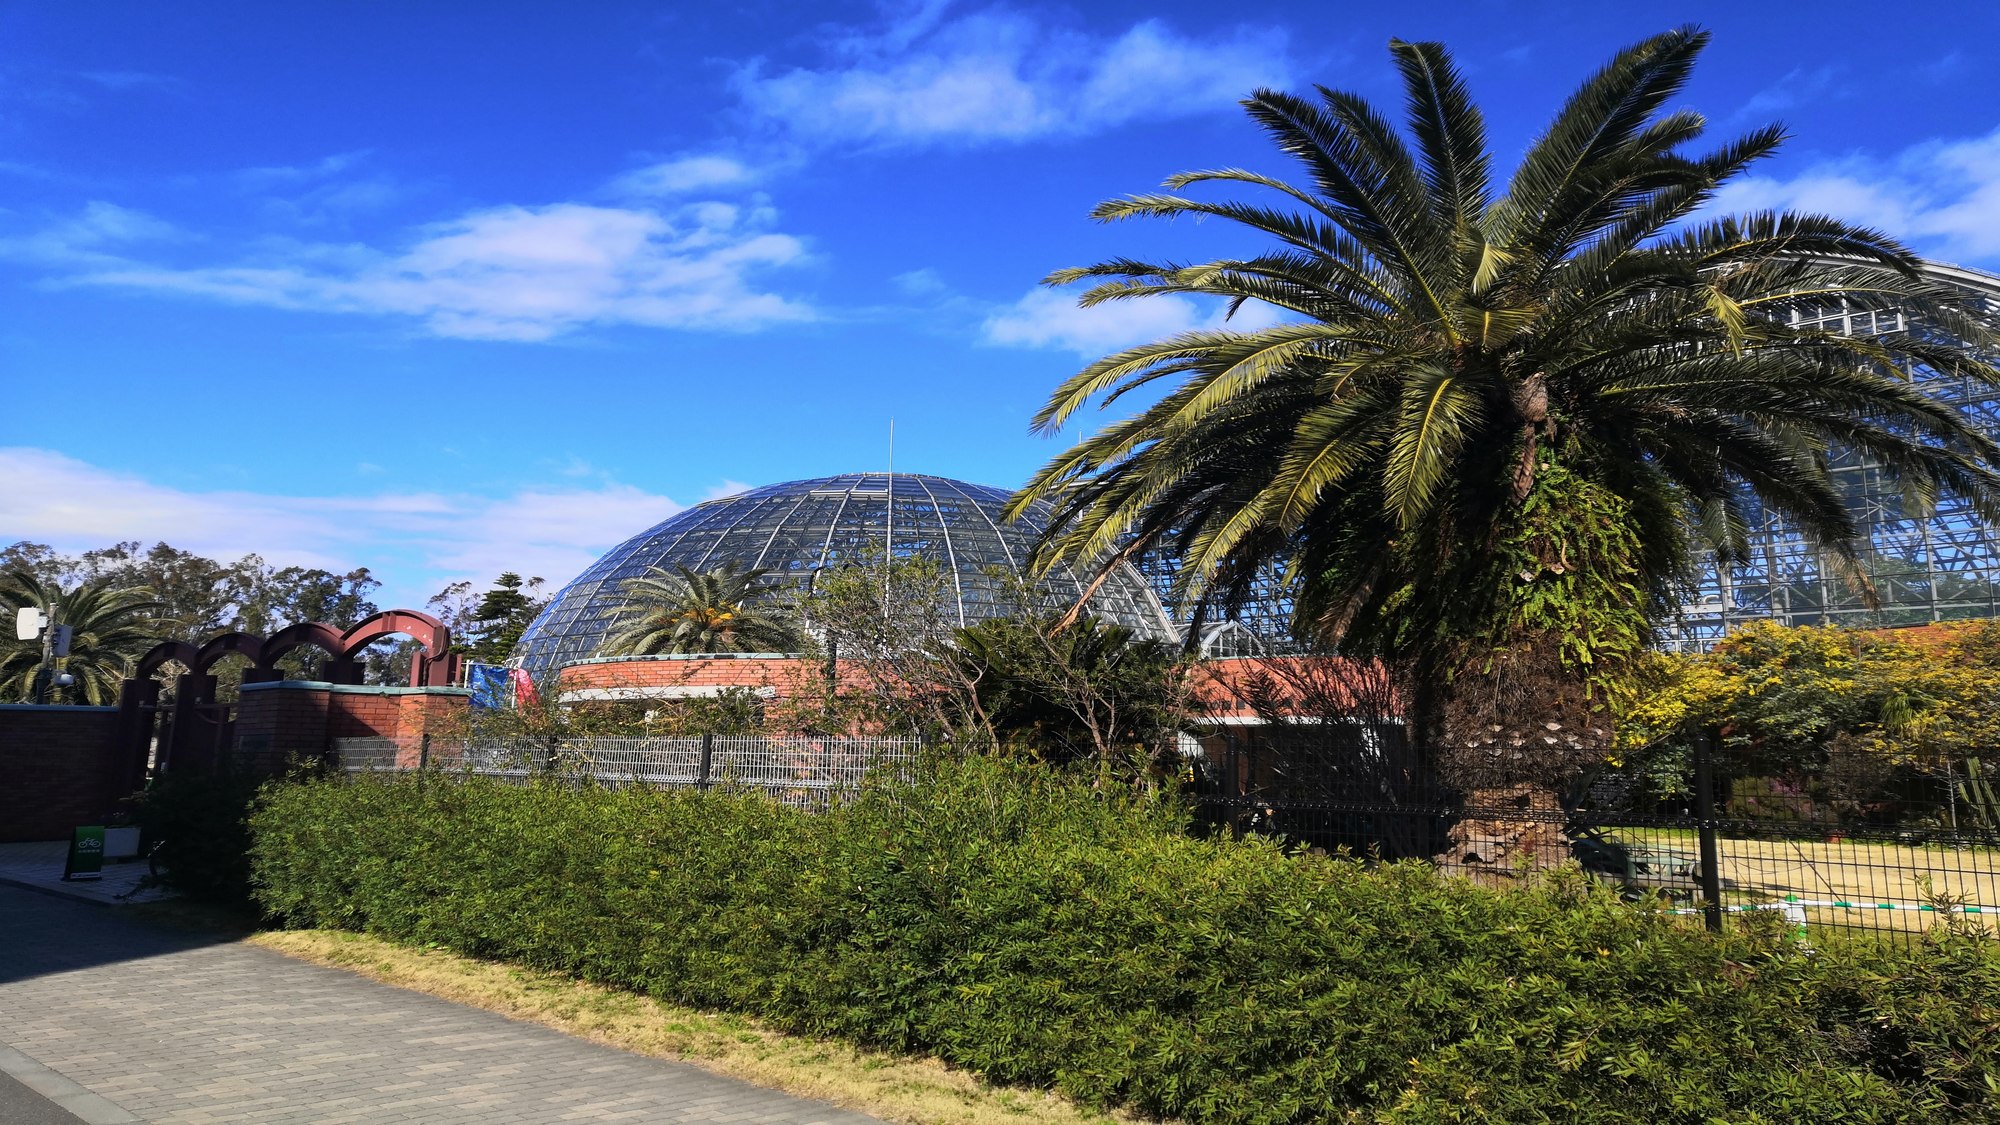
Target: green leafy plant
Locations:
point(713, 611)
point(1018, 922)
point(194, 826)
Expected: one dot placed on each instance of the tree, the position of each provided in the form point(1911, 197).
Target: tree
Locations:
point(1086, 691)
point(199, 597)
point(1027, 682)
point(292, 594)
point(110, 629)
point(687, 612)
point(486, 627)
point(503, 614)
point(1844, 719)
point(882, 626)
point(1489, 427)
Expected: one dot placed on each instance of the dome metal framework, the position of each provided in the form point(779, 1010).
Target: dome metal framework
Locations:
point(1937, 565)
point(799, 528)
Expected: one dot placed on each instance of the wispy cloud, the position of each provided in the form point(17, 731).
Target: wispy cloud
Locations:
point(325, 167)
point(1002, 76)
point(1943, 196)
point(130, 80)
point(1048, 318)
point(94, 237)
point(683, 174)
point(1797, 87)
point(418, 542)
point(504, 273)
point(327, 191)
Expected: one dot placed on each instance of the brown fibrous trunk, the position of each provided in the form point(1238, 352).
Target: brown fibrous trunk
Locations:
point(1515, 728)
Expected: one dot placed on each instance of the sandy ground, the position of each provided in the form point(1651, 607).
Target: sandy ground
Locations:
point(1860, 872)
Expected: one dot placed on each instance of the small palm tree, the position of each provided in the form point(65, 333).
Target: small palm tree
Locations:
point(1494, 423)
point(110, 629)
point(687, 612)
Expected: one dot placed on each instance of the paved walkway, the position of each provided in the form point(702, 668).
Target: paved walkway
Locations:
point(118, 1019)
point(41, 865)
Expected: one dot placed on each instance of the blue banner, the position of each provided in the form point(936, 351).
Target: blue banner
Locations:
point(490, 684)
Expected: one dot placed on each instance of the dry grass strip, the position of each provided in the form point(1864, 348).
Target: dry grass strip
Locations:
point(896, 1088)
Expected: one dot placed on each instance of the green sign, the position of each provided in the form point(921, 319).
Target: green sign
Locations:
point(86, 854)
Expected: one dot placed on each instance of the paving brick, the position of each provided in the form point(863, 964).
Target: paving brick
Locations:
point(177, 1027)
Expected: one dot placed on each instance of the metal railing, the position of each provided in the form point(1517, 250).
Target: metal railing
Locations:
point(797, 770)
point(1891, 860)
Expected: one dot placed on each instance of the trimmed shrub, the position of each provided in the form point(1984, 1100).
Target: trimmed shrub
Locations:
point(193, 826)
point(1019, 924)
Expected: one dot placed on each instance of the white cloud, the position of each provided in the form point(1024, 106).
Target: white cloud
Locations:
point(1798, 87)
point(1000, 76)
point(1942, 196)
point(325, 167)
point(685, 174)
point(416, 542)
point(1047, 318)
point(324, 191)
point(507, 273)
point(923, 282)
point(88, 237)
point(726, 488)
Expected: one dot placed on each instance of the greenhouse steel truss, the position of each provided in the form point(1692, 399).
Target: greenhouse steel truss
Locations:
point(1930, 565)
point(798, 530)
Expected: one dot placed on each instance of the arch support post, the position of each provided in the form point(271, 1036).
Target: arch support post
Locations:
point(136, 699)
point(192, 743)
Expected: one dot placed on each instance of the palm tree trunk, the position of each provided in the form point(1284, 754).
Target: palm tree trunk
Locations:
point(1513, 730)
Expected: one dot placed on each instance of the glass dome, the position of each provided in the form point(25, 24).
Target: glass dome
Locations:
point(1928, 563)
point(796, 528)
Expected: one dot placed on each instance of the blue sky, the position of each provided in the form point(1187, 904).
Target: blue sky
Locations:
point(442, 289)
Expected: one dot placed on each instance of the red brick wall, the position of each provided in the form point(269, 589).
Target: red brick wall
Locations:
point(59, 767)
point(282, 722)
point(782, 675)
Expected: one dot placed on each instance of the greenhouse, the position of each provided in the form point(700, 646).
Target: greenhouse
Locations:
point(798, 529)
point(1935, 564)
point(1940, 564)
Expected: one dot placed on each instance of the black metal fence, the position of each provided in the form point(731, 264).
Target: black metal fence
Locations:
point(1707, 832)
point(798, 770)
point(1701, 828)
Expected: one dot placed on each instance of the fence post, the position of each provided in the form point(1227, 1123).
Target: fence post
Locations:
point(424, 752)
point(1704, 809)
point(549, 764)
point(707, 762)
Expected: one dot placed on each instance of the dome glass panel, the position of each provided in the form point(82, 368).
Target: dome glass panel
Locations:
point(797, 528)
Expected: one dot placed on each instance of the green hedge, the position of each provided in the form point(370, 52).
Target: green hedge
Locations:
point(193, 827)
point(1025, 927)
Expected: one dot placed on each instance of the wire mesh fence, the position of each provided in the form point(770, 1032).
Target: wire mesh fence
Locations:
point(1889, 856)
point(1893, 857)
point(803, 771)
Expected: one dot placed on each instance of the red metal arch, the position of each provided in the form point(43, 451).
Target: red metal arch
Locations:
point(323, 637)
point(243, 644)
point(160, 653)
point(426, 630)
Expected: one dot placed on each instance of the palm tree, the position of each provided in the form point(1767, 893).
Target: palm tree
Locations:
point(1490, 427)
point(110, 629)
point(688, 612)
